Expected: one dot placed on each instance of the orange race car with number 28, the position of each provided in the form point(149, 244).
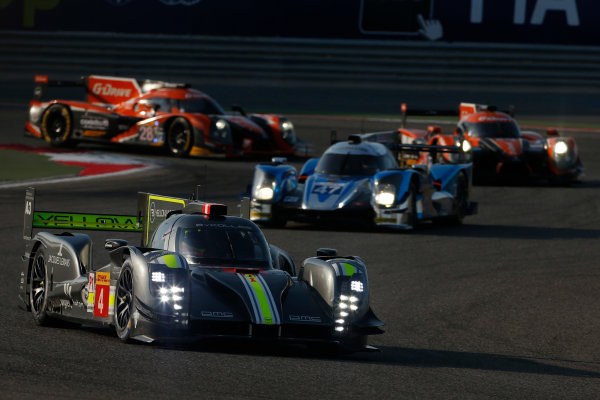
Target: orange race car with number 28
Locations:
point(183, 120)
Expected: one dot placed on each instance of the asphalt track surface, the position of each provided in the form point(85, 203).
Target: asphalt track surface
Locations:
point(504, 306)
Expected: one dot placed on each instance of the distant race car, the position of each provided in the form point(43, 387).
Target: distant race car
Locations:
point(501, 151)
point(360, 181)
point(185, 121)
point(197, 274)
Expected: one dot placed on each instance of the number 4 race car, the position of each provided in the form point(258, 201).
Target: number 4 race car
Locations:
point(154, 113)
point(361, 182)
point(198, 273)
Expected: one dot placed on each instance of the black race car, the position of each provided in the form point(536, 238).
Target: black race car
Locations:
point(198, 273)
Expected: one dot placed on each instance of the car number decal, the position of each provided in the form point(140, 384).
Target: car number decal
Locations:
point(146, 133)
point(327, 188)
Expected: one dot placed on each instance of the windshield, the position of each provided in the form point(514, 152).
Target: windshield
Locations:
point(202, 106)
point(222, 245)
point(351, 164)
point(507, 129)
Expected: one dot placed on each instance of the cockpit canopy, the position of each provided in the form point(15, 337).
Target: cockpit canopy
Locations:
point(220, 242)
point(506, 129)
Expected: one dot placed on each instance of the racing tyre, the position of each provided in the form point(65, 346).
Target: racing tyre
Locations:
point(124, 302)
point(56, 125)
point(38, 289)
point(179, 137)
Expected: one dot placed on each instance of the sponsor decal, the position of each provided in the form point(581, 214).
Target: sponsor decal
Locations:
point(111, 90)
point(91, 291)
point(58, 259)
point(102, 297)
point(216, 314)
point(85, 221)
point(304, 318)
point(158, 212)
point(94, 123)
point(106, 89)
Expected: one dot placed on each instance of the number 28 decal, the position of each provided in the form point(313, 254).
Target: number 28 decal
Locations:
point(146, 133)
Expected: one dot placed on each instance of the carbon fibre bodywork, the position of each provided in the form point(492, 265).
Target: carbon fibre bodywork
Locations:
point(179, 283)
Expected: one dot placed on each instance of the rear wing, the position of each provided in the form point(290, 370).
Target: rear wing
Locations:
point(100, 89)
point(152, 209)
point(34, 218)
point(41, 83)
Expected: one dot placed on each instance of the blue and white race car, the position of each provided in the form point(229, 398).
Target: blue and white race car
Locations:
point(362, 181)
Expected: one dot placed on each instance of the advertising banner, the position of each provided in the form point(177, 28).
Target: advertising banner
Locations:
point(509, 21)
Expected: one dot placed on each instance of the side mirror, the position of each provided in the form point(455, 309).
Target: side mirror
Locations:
point(112, 244)
point(238, 108)
point(552, 132)
point(325, 252)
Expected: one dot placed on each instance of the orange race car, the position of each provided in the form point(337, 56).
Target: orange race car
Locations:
point(500, 151)
point(185, 121)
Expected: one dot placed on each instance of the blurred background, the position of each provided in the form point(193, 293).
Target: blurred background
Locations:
point(319, 56)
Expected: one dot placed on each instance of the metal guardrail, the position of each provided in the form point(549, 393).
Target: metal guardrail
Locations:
point(310, 62)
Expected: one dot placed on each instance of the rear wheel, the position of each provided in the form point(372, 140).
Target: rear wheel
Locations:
point(56, 125)
point(38, 289)
point(179, 137)
point(124, 302)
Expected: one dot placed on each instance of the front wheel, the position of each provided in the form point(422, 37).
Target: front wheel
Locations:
point(56, 125)
point(179, 137)
point(124, 302)
point(38, 289)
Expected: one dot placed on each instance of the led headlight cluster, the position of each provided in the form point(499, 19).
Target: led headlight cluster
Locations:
point(158, 276)
point(348, 304)
point(171, 294)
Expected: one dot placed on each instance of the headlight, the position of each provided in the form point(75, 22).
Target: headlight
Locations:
point(220, 124)
point(221, 132)
point(287, 132)
point(466, 146)
point(560, 148)
point(263, 186)
point(385, 195)
point(264, 193)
